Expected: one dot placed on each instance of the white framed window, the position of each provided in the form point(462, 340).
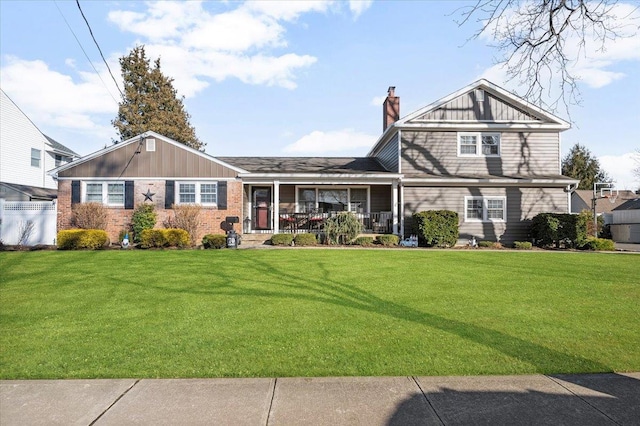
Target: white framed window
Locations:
point(109, 193)
point(205, 193)
point(332, 198)
point(485, 209)
point(35, 157)
point(478, 144)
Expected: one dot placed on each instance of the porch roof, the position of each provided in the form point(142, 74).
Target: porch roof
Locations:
point(312, 165)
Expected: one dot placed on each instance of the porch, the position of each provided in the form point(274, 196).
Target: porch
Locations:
point(372, 223)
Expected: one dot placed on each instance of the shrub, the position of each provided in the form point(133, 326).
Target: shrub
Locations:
point(214, 241)
point(342, 228)
point(90, 216)
point(144, 217)
point(598, 244)
point(186, 216)
point(153, 238)
point(363, 241)
point(74, 239)
point(305, 240)
point(522, 245)
point(281, 239)
point(560, 229)
point(436, 227)
point(177, 237)
point(388, 240)
point(490, 244)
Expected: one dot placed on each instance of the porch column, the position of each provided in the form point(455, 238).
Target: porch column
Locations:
point(394, 205)
point(276, 207)
point(401, 210)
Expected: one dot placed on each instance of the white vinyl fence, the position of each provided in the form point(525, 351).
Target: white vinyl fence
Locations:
point(28, 223)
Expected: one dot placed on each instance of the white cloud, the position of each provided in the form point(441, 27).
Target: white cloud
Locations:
point(378, 100)
point(357, 7)
point(620, 168)
point(318, 142)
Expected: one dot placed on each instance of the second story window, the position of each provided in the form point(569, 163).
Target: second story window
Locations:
point(35, 157)
point(478, 144)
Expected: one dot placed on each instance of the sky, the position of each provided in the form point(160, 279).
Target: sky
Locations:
point(292, 78)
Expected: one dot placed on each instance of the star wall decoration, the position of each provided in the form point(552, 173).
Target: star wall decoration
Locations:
point(149, 195)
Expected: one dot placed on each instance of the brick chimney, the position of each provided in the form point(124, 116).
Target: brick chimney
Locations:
point(390, 109)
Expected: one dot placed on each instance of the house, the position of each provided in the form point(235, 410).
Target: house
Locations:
point(26, 155)
point(625, 223)
point(481, 151)
point(582, 199)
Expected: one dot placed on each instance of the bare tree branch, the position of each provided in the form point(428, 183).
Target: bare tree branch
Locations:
point(540, 42)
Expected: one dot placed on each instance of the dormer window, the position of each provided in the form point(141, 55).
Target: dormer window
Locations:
point(478, 144)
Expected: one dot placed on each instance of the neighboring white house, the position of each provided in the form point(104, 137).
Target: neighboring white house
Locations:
point(26, 154)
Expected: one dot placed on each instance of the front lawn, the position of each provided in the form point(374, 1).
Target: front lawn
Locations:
point(317, 312)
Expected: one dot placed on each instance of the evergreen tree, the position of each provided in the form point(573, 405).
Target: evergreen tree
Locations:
point(150, 102)
point(581, 164)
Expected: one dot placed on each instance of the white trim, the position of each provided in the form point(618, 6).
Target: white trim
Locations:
point(399, 150)
point(437, 181)
point(198, 192)
point(137, 178)
point(478, 136)
point(104, 193)
point(485, 208)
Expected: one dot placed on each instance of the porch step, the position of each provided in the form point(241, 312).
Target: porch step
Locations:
point(255, 240)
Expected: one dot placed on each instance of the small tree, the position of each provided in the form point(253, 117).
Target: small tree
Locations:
point(187, 217)
point(579, 163)
point(342, 228)
point(150, 102)
point(144, 217)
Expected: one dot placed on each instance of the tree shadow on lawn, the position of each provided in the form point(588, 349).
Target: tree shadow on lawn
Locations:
point(329, 291)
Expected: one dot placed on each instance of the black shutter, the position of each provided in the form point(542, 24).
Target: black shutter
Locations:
point(75, 192)
point(222, 195)
point(169, 193)
point(128, 194)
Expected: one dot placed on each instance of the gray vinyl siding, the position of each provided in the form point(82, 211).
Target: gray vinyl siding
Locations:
point(522, 154)
point(465, 108)
point(380, 198)
point(168, 160)
point(522, 205)
point(388, 156)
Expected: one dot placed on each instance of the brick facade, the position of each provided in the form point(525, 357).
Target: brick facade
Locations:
point(212, 220)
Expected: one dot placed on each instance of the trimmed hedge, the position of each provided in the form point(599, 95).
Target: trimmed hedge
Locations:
point(214, 241)
point(522, 245)
point(363, 241)
point(560, 229)
point(156, 238)
point(598, 244)
point(281, 239)
point(388, 240)
point(305, 240)
point(76, 239)
point(437, 228)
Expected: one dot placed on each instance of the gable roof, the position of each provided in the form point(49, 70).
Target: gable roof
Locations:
point(287, 165)
point(602, 205)
point(629, 205)
point(61, 149)
point(138, 139)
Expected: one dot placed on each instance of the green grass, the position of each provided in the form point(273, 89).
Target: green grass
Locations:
point(320, 312)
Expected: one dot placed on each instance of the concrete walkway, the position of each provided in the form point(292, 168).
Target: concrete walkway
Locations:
point(592, 399)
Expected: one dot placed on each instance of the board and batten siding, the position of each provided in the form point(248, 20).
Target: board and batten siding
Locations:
point(388, 155)
point(521, 154)
point(522, 205)
point(168, 160)
point(467, 108)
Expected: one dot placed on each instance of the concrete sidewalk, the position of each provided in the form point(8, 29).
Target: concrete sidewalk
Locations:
point(590, 399)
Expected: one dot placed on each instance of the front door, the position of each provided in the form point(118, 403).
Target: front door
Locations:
point(261, 207)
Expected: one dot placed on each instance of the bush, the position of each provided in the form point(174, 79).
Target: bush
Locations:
point(437, 228)
point(522, 245)
point(305, 240)
point(560, 229)
point(342, 228)
point(598, 244)
point(75, 239)
point(177, 237)
point(153, 238)
point(214, 241)
point(388, 240)
point(363, 241)
point(490, 244)
point(144, 217)
point(90, 216)
point(187, 217)
point(281, 239)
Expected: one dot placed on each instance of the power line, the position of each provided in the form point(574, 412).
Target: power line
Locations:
point(85, 53)
point(98, 46)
